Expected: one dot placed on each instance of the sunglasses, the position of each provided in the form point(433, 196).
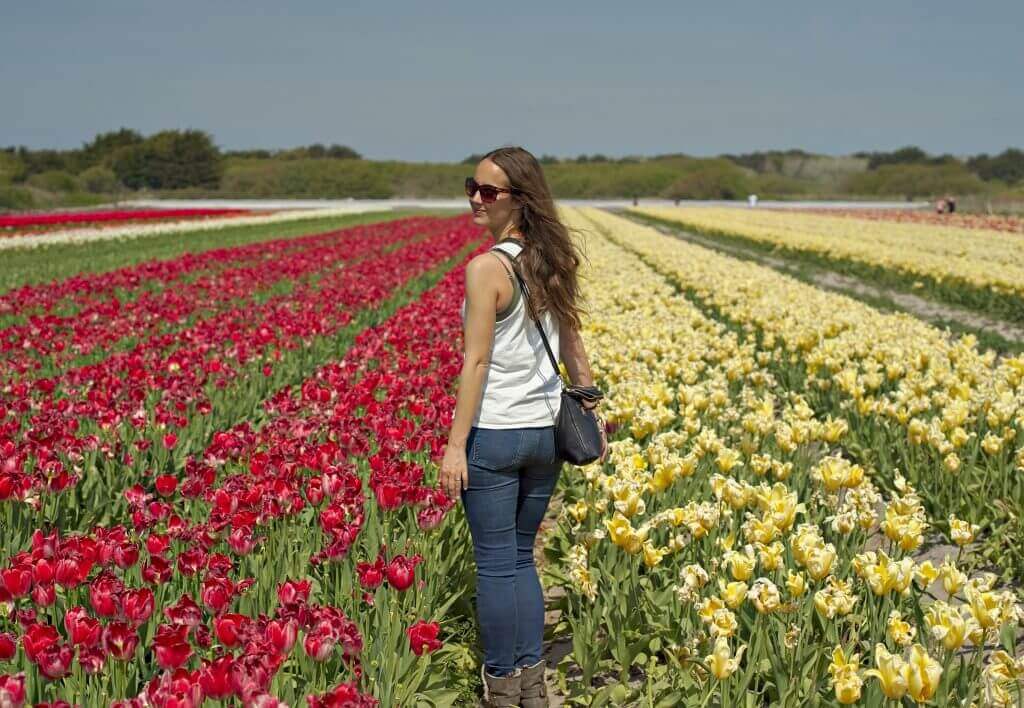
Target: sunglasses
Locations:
point(488, 192)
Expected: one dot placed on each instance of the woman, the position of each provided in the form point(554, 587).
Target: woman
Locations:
point(500, 456)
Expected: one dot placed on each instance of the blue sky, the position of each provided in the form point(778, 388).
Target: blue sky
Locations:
point(439, 81)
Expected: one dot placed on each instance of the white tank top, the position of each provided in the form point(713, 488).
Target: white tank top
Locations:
point(521, 388)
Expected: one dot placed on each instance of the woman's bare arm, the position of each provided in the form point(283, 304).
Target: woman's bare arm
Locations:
point(478, 338)
point(572, 352)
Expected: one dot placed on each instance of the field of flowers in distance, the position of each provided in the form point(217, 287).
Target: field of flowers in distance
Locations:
point(218, 473)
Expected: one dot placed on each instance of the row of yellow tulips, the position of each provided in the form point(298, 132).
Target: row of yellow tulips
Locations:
point(973, 267)
point(731, 546)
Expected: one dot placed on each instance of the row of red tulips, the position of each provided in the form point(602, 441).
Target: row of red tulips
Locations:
point(106, 216)
point(146, 408)
point(347, 450)
point(45, 344)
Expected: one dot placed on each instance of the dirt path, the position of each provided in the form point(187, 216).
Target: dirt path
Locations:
point(922, 308)
point(554, 651)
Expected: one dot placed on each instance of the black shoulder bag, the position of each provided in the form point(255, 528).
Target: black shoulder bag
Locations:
point(577, 430)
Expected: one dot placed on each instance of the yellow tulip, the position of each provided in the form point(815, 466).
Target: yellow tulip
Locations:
point(732, 593)
point(819, 561)
point(947, 625)
point(892, 673)
point(653, 555)
point(923, 674)
point(740, 564)
point(721, 661)
point(845, 680)
point(796, 584)
point(899, 630)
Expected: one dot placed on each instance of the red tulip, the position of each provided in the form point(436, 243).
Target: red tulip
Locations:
point(37, 637)
point(228, 628)
point(171, 645)
point(319, 646)
point(217, 594)
point(400, 572)
point(120, 640)
point(17, 581)
point(55, 661)
point(12, 690)
point(92, 659)
point(371, 575)
point(166, 484)
point(282, 635)
point(423, 637)
point(105, 595)
point(291, 592)
point(81, 628)
point(215, 678)
point(8, 646)
point(170, 440)
point(138, 605)
point(185, 612)
point(44, 595)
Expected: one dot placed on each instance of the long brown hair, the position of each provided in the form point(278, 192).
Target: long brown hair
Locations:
point(550, 257)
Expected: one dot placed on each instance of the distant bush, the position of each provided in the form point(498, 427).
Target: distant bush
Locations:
point(11, 168)
point(328, 178)
point(770, 185)
point(1007, 166)
point(99, 180)
point(713, 179)
point(916, 181)
point(171, 159)
point(54, 181)
point(16, 198)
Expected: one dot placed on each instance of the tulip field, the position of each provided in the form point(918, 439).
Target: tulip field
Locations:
point(218, 481)
point(978, 268)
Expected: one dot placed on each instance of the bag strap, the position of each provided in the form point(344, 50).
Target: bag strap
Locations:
point(544, 337)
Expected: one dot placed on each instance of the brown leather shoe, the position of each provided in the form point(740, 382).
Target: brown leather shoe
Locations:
point(534, 691)
point(501, 691)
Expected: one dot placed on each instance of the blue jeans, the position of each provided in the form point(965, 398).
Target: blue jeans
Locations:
point(512, 473)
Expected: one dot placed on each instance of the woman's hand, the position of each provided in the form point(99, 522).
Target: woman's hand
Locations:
point(604, 440)
point(454, 475)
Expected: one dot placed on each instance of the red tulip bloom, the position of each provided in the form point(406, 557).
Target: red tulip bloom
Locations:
point(389, 496)
point(55, 661)
point(120, 640)
point(71, 572)
point(319, 645)
point(281, 634)
point(138, 605)
point(229, 627)
point(44, 595)
point(171, 645)
point(185, 612)
point(105, 595)
point(8, 646)
point(217, 594)
point(291, 592)
point(43, 571)
point(81, 628)
point(156, 543)
point(166, 484)
point(12, 690)
point(17, 581)
point(371, 575)
point(170, 440)
point(215, 678)
point(401, 572)
point(92, 659)
point(344, 695)
point(423, 637)
point(37, 637)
